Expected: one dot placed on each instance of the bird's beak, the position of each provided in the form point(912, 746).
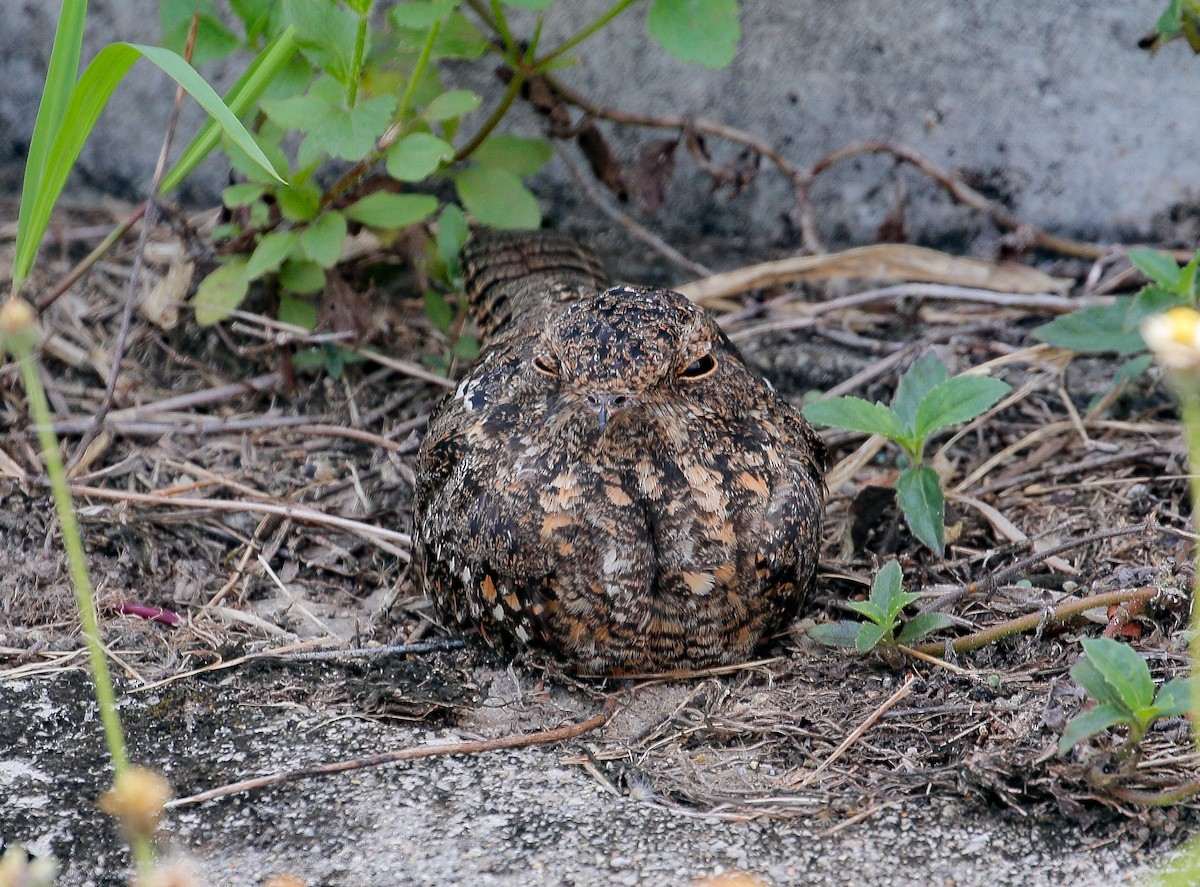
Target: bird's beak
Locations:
point(607, 405)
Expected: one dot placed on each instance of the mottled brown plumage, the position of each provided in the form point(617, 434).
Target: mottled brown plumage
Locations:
point(610, 482)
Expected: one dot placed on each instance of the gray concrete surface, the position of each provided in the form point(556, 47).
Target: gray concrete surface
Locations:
point(1050, 104)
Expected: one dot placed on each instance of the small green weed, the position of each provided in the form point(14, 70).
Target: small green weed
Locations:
point(1180, 20)
point(1100, 329)
point(1119, 680)
point(926, 401)
point(882, 611)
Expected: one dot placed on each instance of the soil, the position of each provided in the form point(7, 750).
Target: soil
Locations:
point(811, 765)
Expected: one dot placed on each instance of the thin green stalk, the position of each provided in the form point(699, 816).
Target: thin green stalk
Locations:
point(616, 9)
point(360, 44)
point(501, 25)
point(510, 95)
point(84, 595)
point(418, 71)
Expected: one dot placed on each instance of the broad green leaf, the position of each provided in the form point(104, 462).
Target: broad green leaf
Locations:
point(322, 240)
point(415, 156)
point(298, 312)
point(219, 294)
point(213, 40)
point(242, 194)
point(869, 635)
point(855, 414)
point(272, 249)
point(418, 15)
point(921, 625)
point(388, 211)
point(452, 234)
point(244, 93)
point(919, 493)
point(870, 609)
point(1175, 697)
point(1086, 675)
point(497, 198)
point(300, 203)
point(333, 130)
point(302, 276)
point(835, 634)
point(1088, 724)
point(1160, 267)
point(918, 380)
point(521, 157)
point(702, 31)
point(1152, 299)
point(87, 100)
point(886, 587)
point(957, 400)
point(439, 312)
point(1131, 369)
point(454, 103)
point(1123, 670)
point(1093, 330)
point(326, 34)
point(258, 17)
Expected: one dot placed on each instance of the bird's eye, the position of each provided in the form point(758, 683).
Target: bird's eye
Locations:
point(545, 366)
point(700, 368)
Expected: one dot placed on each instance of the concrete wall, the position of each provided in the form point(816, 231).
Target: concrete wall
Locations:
point(1050, 104)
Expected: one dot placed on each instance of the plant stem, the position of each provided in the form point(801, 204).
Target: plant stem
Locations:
point(616, 9)
point(418, 71)
point(510, 95)
point(500, 23)
point(356, 66)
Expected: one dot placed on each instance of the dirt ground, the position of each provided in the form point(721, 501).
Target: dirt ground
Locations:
point(247, 497)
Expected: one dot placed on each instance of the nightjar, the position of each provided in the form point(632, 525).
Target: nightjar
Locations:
point(610, 482)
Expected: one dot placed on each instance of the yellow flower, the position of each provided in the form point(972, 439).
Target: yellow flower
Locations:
point(1174, 337)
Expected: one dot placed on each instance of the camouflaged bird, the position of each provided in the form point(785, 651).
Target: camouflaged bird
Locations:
point(610, 482)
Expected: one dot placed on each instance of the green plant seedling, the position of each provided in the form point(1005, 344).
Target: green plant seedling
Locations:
point(882, 611)
point(1180, 20)
point(1113, 329)
point(926, 402)
point(1119, 680)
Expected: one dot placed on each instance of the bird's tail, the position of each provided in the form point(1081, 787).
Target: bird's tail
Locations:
point(511, 276)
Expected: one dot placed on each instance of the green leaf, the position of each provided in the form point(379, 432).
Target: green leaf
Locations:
point(919, 493)
point(327, 34)
point(869, 636)
point(219, 294)
point(300, 203)
point(921, 625)
point(389, 211)
point(888, 585)
point(213, 40)
point(302, 276)
point(333, 130)
point(535, 5)
point(87, 100)
point(835, 634)
point(497, 198)
point(1158, 266)
point(871, 609)
point(439, 312)
point(272, 249)
point(452, 234)
point(454, 103)
point(298, 312)
point(1093, 330)
point(418, 15)
point(1086, 675)
point(1088, 724)
point(242, 194)
point(466, 347)
point(322, 240)
point(957, 400)
point(258, 17)
point(1123, 670)
point(1131, 369)
point(521, 157)
point(855, 414)
point(702, 31)
point(1152, 299)
point(244, 93)
point(415, 156)
point(1175, 697)
point(920, 378)
point(1186, 286)
point(457, 38)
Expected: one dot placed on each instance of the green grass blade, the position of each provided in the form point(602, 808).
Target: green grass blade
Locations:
point(240, 98)
point(60, 80)
point(88, 99)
